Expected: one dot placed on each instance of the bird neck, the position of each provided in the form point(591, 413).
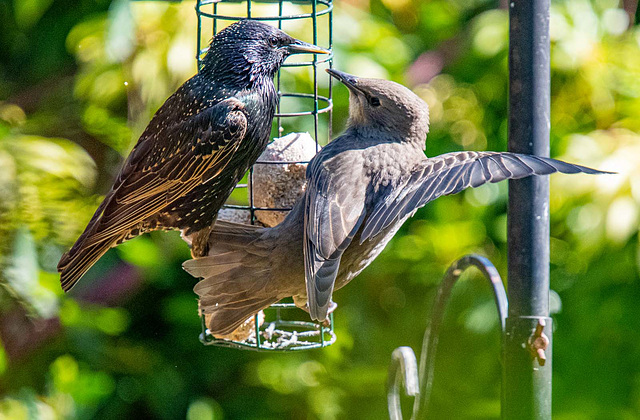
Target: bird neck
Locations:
point(418, 135)
point(415, 135)
point(237, 74)
point(263, 96)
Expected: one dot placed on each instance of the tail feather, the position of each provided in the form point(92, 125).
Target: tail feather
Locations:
point(233, 296)
point(225, 229)
point(88, 231)
point(79, 259)
point(225, 321)
point(74, 265)
point(237, 276)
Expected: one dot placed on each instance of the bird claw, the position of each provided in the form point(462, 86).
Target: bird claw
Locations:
point(332, 307)
point(304, 305)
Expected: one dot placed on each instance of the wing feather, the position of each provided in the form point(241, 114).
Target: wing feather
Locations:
point(453, 172)
point(140, 194)
point(165, 164)
point(334, 211)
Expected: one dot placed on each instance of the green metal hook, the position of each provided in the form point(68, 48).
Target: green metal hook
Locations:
point(418, 381)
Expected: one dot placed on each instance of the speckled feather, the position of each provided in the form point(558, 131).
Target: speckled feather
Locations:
point(194, 151)
point(361, 188)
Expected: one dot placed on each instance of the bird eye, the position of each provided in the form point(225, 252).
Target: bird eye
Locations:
point(274, 42)
point(373, 101)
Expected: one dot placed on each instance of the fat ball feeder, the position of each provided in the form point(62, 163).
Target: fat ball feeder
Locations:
point(282, 326)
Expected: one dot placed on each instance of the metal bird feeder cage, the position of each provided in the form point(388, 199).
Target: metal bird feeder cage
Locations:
point(283, 326)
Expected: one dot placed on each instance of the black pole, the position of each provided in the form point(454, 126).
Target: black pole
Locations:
point(527, 349)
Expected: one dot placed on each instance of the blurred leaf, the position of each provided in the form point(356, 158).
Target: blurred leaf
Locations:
point(28, 12)
point(21, 274)
point(86, 386)
point(112, 321)
point(555, 302)
point(121, 33)
point(204, 409)
point(22, 271)
point(141, 252)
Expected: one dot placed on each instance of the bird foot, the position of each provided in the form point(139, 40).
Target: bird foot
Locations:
point(332, 307)
point(200, 242)
point(302, 304)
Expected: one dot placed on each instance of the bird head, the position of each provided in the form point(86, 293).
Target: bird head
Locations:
point(250, 50)
point(383, 105)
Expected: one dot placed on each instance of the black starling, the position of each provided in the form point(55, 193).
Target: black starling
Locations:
point(195, 149)
point(361, 188)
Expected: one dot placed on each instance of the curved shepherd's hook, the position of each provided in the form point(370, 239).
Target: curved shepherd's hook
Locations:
point(404, 365)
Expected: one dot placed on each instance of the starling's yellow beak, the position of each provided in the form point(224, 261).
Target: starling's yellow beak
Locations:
point(347, 79)
point(301, 47)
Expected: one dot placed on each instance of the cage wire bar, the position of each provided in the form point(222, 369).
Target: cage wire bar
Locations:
point(281, 331)
point(524, 311)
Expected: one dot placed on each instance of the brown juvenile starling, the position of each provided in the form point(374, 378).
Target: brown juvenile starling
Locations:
point(195, 149)
point(360, 189)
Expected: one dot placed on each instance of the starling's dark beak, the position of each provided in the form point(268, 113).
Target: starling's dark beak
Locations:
point(347, 79)
point(300, 47)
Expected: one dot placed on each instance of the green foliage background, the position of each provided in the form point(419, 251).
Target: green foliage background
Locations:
point(80, 79)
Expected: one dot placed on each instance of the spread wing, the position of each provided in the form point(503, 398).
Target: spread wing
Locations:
point(453, 172)
point(334, 210)
point(167, 162)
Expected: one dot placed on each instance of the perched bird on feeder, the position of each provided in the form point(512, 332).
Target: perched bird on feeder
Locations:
point(195, 149)
point(361, 188)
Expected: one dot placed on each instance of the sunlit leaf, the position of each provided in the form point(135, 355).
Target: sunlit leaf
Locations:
point(121, 33)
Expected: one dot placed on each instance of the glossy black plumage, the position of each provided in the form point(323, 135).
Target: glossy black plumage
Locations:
point(361, 188)
point(195, 149)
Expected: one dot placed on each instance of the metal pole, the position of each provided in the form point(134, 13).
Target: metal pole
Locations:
point(527, 348)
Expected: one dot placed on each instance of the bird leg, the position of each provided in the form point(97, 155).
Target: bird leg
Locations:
point(200, 242)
